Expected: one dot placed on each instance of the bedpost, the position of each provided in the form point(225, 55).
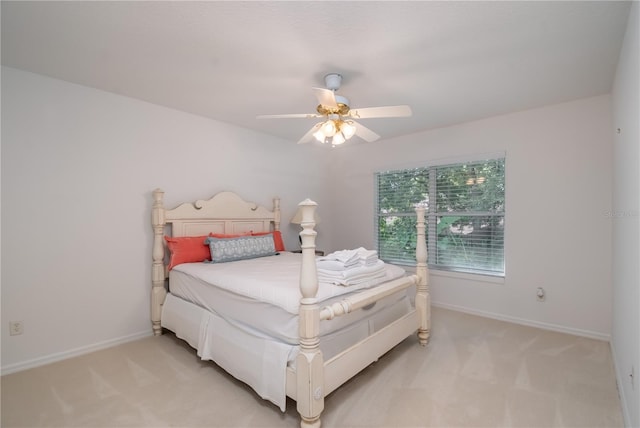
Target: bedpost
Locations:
point(309, 362)
point(276, 212)
point(158, 292)
point(423, 299)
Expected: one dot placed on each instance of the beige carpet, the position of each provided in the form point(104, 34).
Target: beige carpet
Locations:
point(476, 372)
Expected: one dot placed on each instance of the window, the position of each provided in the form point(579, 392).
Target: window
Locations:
point(465, 215)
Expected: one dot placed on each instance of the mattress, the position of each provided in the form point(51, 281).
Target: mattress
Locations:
point(262, 295)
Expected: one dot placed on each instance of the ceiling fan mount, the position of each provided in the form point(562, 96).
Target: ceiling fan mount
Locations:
point(338, 124)
point(333, 81)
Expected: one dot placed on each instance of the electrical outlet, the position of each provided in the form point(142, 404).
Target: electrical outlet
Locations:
point(540, 294)
point(16, 328)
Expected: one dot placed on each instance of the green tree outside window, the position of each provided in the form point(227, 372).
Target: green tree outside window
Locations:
point(465, 215)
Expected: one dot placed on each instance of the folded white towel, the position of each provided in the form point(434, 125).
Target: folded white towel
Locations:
point(353, 279)
point(334, 265)
point(352, 276)
point(367, 257)
point(348, 259)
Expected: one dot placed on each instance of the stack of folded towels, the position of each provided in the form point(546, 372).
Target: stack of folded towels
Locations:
point(350, 267)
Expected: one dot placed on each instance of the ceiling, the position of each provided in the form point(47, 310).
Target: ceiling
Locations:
point(451, 61)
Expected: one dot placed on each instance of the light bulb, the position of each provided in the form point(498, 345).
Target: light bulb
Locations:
point(348, 129)
point(338, 139)
point(319, 135)
point(329, 128)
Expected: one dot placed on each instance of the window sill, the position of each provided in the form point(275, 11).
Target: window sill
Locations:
point(468, 276)
point(476, 277)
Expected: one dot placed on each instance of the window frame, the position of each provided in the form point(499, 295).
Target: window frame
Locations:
point(432, 215)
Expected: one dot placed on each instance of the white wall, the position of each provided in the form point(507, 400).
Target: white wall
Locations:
point(626, 220)
point(558, 233)
point(78, 168)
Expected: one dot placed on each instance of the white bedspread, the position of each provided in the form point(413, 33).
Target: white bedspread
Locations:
point(274, 279)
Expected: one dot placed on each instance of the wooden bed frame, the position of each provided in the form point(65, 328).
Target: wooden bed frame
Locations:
point(313, 378)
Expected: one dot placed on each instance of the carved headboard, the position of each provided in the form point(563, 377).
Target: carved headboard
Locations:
point(224, 213)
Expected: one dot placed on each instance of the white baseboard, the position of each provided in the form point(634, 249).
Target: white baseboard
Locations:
point(620, 378)
point(52, 358)
point(12, 368)
point(530, 323)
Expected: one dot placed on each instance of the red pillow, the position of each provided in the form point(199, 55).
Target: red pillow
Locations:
point(187, 249)
point(277, 239)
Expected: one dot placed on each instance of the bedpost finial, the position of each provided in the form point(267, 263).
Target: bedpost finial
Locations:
point(308, 275)
point(307, 209)
point(158, 195)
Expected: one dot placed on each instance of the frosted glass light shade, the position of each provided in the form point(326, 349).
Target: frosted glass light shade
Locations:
point(338, 139)
point(329, 128)
point(348, 129)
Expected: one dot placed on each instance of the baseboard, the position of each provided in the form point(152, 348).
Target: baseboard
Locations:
point(620, 378)
point(530, 323)
point(52, 358)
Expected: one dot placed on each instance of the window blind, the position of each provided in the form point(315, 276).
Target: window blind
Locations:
point(465, 219)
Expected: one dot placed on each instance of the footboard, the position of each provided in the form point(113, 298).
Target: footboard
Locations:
point(314, 378)
point(366, 297)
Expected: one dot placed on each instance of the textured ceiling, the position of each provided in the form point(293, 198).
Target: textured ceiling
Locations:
point(450, 61)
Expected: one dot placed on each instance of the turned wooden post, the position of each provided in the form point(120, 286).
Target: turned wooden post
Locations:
point(309, 362)
point(276, 212)
point(158, 291)
point(423, 298)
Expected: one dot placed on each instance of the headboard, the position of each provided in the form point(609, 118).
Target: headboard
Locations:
point(225, 213)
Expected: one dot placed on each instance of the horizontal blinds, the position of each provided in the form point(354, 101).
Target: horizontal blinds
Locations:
point(469, 216)
point(473, 243)
point(465, 218)
point(470, 187)
point(398, 194)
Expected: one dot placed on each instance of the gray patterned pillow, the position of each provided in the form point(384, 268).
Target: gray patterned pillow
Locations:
point(240, 248)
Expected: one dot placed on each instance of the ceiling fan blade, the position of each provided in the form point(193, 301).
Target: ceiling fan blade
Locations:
point(365, 133)
point(325, 97)
point(288, 116)
point(308, 137)
point(388, 111)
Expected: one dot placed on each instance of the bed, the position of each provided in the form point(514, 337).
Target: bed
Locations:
point(268, 321)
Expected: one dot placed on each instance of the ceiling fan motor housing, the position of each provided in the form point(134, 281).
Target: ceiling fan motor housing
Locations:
point(342, 109)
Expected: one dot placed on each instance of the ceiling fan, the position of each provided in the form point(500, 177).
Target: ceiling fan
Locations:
point(338, 124)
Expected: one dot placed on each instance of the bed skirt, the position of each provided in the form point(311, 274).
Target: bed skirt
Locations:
point(252, 357)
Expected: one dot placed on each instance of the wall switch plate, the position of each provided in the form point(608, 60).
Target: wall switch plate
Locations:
point(16, 328)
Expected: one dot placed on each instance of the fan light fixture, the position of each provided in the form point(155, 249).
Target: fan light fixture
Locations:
point(338, 118)
point(335, 131)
